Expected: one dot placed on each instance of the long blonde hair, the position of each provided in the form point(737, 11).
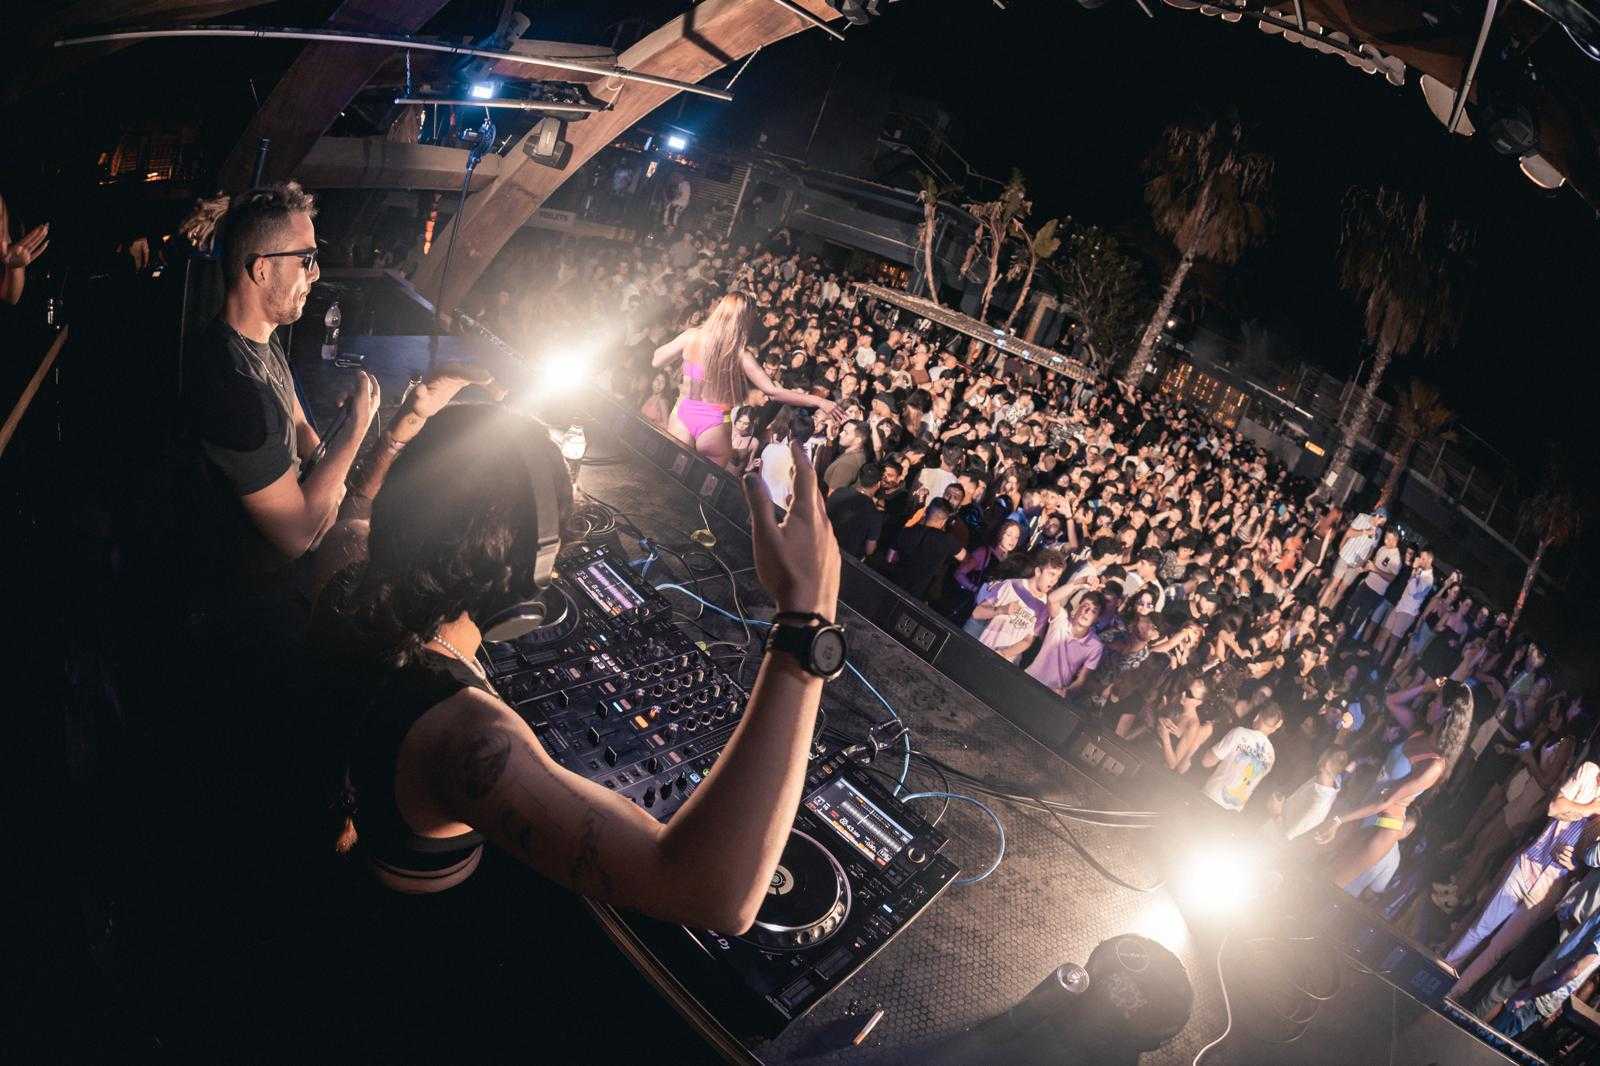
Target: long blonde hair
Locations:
point(722, 338)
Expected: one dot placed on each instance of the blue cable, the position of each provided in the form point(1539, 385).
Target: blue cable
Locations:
point(905, 734)
point(998, 828)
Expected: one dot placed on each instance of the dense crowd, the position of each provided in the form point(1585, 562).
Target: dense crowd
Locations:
point(1320, 672)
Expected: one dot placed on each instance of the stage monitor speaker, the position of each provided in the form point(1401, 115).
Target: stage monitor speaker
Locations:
point(546, 143)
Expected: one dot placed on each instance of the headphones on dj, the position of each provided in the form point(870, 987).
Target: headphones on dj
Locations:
point(547, 475)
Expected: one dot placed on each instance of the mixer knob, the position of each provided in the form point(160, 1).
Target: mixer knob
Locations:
point(705, 717)
point(699, 677)
point(716, 690)
point(702, 696)
point(652, 764)
point(611, 756)
point(672, 729)
point(600, 709)
point(562, 699)
point(594, 737)
point(658, 690)
point(684, 661)
point(638, 694)
point(690, 725)
point(650, 796)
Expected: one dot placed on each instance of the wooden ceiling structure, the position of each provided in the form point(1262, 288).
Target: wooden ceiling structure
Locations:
point(1402, 40)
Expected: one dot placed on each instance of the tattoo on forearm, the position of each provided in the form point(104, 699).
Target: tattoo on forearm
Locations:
point(586, 873)
point(481, 762)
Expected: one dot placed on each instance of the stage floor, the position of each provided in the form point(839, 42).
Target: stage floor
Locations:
point(979, 949)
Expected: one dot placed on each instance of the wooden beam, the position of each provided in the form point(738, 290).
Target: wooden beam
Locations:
point(706, 38)
point(379, 163)
point(319, 84)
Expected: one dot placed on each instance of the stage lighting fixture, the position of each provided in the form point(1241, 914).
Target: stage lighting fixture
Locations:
point(482, 90)
point(546, 143)
point(677, 142)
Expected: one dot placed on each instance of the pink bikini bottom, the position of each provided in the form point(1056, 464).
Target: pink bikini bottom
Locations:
point(699, 416)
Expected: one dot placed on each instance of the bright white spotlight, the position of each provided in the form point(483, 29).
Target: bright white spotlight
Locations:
point(482, 90)
point(1220, 880)
point(1162, 921)
point(677, 142)
point(564, 371)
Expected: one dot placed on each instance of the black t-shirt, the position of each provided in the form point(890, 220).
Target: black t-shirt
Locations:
point(856, 520)
point(924, 553)
point(240, 402)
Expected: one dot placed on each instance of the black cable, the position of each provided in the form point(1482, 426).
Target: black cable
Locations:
point(1088, 814)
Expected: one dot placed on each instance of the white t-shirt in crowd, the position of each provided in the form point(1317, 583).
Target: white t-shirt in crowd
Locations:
point(1416, 593)
point(935, 479)
point(1305, 809)
point(1387, 561)
point(1245, 757)
point(1006, 630)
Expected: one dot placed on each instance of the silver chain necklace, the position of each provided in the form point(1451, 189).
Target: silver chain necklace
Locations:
point(469, 663)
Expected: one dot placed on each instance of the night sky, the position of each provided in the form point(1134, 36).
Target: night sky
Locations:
point(1074, 99)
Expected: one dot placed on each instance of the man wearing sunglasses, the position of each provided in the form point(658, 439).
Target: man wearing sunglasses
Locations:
point(249, 425)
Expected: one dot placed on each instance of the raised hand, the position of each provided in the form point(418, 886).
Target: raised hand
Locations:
point(440, 387)
point(797, 561)
point(26, 249)
point(363, 399)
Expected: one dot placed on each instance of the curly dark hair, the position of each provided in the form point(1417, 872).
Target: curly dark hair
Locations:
point(454, 529)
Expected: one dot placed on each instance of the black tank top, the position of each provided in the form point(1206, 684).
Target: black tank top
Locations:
point(405, 696)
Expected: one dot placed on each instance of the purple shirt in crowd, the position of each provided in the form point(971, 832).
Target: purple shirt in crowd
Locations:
point(1062, 656)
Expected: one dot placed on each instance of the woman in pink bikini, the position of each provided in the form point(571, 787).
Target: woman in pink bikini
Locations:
point(716, 367)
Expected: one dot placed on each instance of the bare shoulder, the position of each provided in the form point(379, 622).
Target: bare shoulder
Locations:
point(467, 741)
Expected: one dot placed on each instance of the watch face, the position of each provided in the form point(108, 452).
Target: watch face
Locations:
point(827, 652)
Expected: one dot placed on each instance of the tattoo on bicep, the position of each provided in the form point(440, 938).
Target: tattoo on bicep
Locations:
point(586, 874)
point(481, 761)
point(518, 832)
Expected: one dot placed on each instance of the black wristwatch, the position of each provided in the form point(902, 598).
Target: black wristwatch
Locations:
point(818, 645)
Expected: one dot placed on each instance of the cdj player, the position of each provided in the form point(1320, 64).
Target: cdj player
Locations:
point(618, 693)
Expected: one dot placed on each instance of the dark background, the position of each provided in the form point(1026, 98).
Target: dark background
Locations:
point(1072, 98)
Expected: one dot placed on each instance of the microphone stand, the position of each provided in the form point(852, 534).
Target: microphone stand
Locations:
point(483, 141)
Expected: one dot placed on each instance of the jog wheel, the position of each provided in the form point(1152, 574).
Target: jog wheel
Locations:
point(560, 619)
point(807, 901)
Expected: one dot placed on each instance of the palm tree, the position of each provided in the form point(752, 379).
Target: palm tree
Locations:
point(1041, 244)
point(1411, 268)
point(1556, 513)
point(929, 195)
point(1102, 288)
point(1422, 415)
point(1211, 194)
point(994, 219)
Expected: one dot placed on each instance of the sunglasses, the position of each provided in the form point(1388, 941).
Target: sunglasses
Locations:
point(307, 257)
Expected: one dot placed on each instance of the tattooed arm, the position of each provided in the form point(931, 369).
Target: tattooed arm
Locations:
point(471, 760)
point(709, 866)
